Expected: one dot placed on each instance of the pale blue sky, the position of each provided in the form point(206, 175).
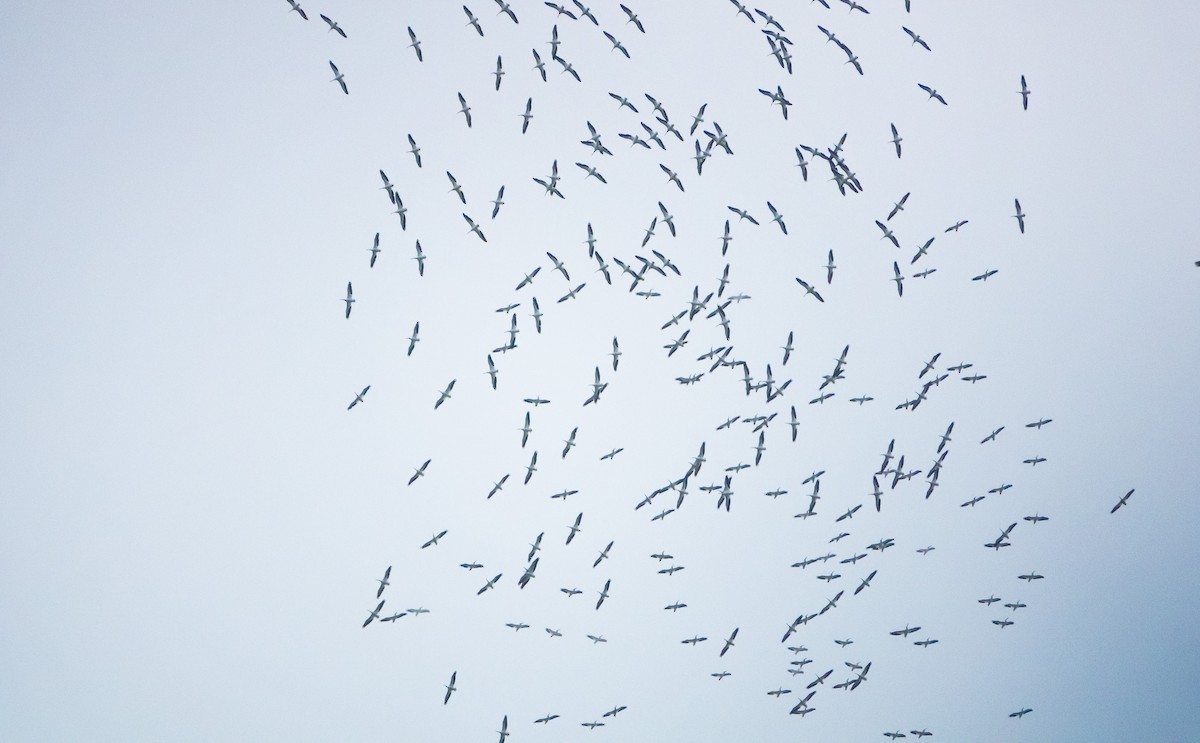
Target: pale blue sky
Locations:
point(191, 524)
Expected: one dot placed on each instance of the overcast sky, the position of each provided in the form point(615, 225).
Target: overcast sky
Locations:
point(192, 524)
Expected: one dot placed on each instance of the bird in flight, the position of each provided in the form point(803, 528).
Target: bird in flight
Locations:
point(915, 38)
point(383, 582)
point(415, 45)
point(333, 26)
point(444, 395)
point(359, 397)
point(419, 472)
point(375, 613)
point(633, 19)
point(450, 687)
point(296, 7)
point(1124, 500)
point(465, 110)
point(1024, 93)
point(338, 78)
point(932, 93)
point(1019, 216)
point(729, 641)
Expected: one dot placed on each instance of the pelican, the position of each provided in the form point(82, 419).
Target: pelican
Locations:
point(333, 26)
point(603, 554)
point(992, 436)
point(414, 338)
point(729, 641)
point(617, 46)
point(434, 539)
point(359, 397)
point(898, 207)
point(419, 472)
point(349, 300)
point(374, 249)
point(932, 93)
point(465, 110)
point(1021, 712)
point(1123, 501)
point(809, 290)
point(375, 613)
point(474, 228)
point(1019, 216)
point(787, 349)
point(603, 593)
point(503, 731)
point(415, 45)
point(420, 259)
point(539, 65)
point(450, 687)
point(899, 279)
point(633, 19)
point(497, 486)
point(338, 78)
point(531, 468)
point(296, 7)
point(530, 573)
point(777, 218)
point(1024, 93)
point(887, 233)
point(473, 21)
point(383, 582)
point(507, 9)
point(916, 39)
point(444, 395)
point(525, 117)
point(672, 176)
point(553, 632)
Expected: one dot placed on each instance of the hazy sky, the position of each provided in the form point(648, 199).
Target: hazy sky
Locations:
point(192, 524)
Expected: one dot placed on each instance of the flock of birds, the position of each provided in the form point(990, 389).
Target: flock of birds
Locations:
point(708, 303)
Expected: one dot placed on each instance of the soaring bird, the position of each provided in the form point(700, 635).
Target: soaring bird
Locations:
point(338, 77)
point(444, 395)
point(375, 613)
point(1024, 93)
point(349, 300)
point(450, 688)
point(333, 26)
point(1124, 500)
point(419, 472)
point(383, 582)
point(729, 641)
point(415, 45)
point(472, 20)
point(465, 110)
point(932, 93)
point(359, 397)
point(296, 7)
